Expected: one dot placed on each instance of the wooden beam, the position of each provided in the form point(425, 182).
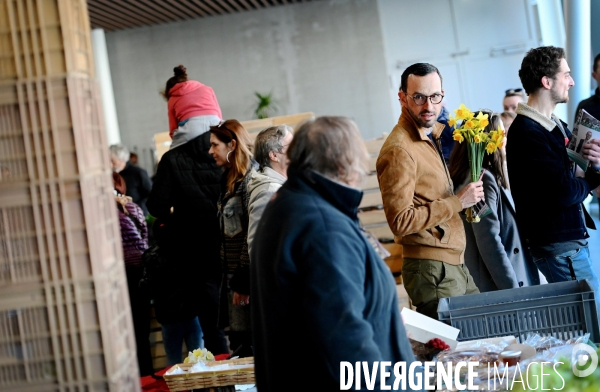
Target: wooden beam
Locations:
point(209, 11)
point(97, 20)
point(160, 13)
point(108, 8)
point(139, 9)
point(238, 7)
point(184, 9)
point(199, 11)
point(248, 6)
point(256, 4)
point(116, 19)
point(162, 9)
point(220, 5)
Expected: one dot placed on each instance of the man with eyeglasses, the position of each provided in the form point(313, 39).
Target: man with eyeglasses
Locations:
point(548, 196)
point(418, 198)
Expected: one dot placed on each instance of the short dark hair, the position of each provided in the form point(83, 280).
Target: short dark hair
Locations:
point(418, 69)
point(539, 62)
point(271, 139)
point(596, 61)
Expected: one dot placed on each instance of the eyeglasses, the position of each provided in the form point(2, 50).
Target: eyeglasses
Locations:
point(221, 126)
point(513, 91)
point(420, 99)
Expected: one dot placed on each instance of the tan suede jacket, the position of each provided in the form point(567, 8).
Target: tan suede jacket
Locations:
point(418, 198)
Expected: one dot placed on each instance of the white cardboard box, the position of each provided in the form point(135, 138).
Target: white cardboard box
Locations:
point(422, 328)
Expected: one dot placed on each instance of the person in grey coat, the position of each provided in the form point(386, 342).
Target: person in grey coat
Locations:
point(494, 253)
point(270, 149)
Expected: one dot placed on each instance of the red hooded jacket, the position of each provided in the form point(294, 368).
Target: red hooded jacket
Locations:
point(190, 99)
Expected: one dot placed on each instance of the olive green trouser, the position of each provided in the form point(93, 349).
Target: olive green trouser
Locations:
point(426, 281)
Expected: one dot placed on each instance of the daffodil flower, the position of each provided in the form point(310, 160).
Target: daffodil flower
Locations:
point(452, 122)
point(483, 120)
point(491, 148)
point(463, 112)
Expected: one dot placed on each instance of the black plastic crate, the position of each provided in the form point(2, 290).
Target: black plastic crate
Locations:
point(563, 310)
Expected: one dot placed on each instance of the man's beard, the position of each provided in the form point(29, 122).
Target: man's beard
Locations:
point(556, 98)
point(419, 121)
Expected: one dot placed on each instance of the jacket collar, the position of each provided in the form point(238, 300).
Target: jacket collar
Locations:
point(342, 197)
point(407, 122)
point(536, 116)
point(508, 198)
point(267, 171)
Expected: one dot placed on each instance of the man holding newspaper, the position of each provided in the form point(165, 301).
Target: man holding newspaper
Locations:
point(548, 196)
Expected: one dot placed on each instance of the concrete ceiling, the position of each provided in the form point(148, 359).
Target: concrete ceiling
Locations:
point(112, 15)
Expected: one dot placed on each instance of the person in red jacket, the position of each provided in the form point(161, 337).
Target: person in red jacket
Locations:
point(193, 107)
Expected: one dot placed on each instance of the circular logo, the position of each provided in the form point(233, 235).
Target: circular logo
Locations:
point(581, 360)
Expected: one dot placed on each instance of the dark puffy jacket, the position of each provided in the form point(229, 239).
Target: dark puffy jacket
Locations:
point(187, 180)
point(134, 234)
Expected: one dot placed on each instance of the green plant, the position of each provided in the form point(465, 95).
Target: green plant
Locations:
point(265, 106)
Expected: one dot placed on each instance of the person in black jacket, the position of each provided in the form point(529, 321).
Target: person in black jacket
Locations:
point(320, 293)
point(184, 198)
point(137, 179)
point(592, 104)
point(548, 196)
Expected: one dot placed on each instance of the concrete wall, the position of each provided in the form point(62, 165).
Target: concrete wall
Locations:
point(326, 57)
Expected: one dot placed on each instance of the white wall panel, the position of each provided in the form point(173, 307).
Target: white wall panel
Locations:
point(326, 57)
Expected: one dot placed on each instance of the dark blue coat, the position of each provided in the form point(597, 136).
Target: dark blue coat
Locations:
point(320, 294)
point(547, 195)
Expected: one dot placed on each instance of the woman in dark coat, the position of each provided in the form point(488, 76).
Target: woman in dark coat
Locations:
point(184, 199)
point(230, 147)
point(134, 237)
point(494, 254)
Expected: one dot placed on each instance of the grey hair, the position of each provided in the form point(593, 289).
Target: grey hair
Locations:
point(331, 146)
point(270, 139)
point(119, 151)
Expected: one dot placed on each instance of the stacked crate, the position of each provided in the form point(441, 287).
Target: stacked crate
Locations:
point(65, 322)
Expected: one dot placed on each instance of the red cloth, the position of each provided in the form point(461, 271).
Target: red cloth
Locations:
point(150, 384)
point(191, 99)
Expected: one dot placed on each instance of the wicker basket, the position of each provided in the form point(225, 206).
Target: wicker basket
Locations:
point(218, 378)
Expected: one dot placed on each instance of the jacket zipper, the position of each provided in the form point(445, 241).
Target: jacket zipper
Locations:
point(439, 152)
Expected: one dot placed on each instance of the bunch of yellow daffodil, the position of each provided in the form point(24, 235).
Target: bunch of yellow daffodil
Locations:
point(472, 131)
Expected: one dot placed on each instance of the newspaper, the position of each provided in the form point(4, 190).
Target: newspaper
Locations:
point(586, 128)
